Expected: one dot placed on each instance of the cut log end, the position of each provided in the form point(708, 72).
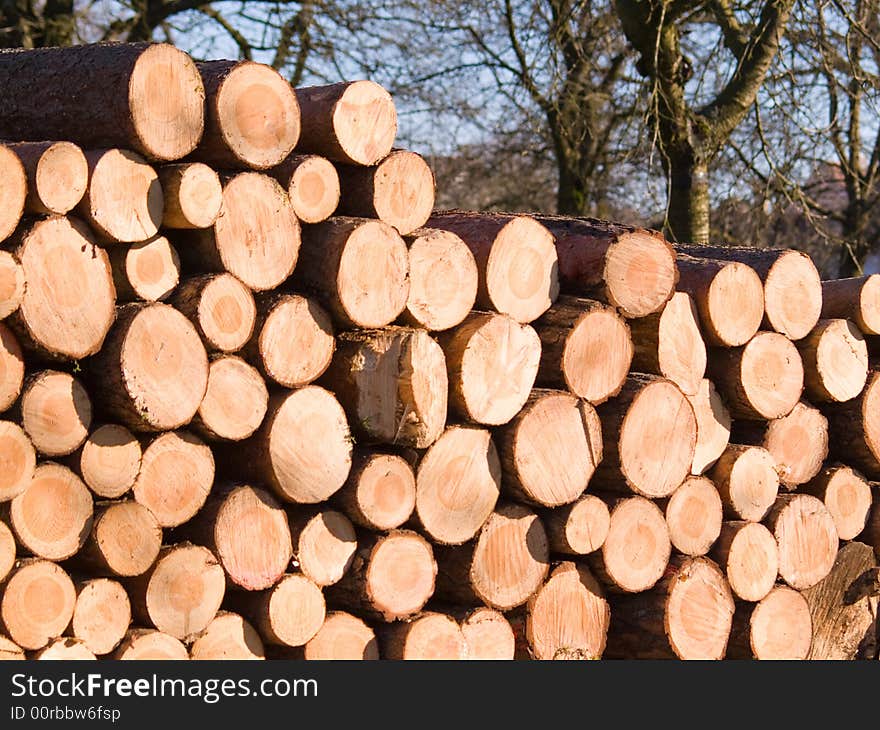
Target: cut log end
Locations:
point(7, 551)
point(101, 615)
point(110, 460)
point(18, 459)
point(56, 413)
point(400, 575)
point(640, 273)
point(793, 295)
point(429, 636)
point(325, 546)
point(770, 378)
point(11, 368)
point(780, 626)
point(747, 480)
point(11, 284)
point(342, 636)
point(637, 548)
point(294, 611)
point(235, 401)
point(37, 603)
point(699, 611)
point(380, 493)
point(693, 515)
point(193, 195)
point(799, 444)
point(734, 304)
point(806, 537)
point(747, 552)
point(580, 528)
point(364, 123)
point(488, 635)
point(13, 190)
point(713, 427)
point(125, 541)
point(228, 637)
point(296, 342)
point(58, 175)
point(66, 649)
point(847, 496)
point(149, 644)
point(681, 352)
point(225, 313)
point(835, 359)
point(149, 271)
point(312, 184)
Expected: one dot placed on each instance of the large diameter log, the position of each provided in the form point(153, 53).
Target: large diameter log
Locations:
point(7, 551)
point(747, 481)
point(515, 257)
point(228, 636)
point(56, 412)
point(342, 636)
point(747, 553)
point(235, 401)
point(37, 603)
point(649, 435)
point(124, 541)
point(693, 516)
point(68, 304)
point(578, 528)
point(101, 615)
point(857, 299)
point(777, 627)
point(399, 191)
point(153, 371)
point(729, 296)
point(312, 184)
point(632, 269)
point(11, 368)
point(457, 485)
point(847, 496)
point(502, 567)
point(177, 472)
point(669, 343)
point(288, 614)
point(688, 616)
point(392, 383)
point(550, 450)
point(493, 362)
point(353, 122)
point(11, 284)
point(358, 267)
point(806, 538)
point(392, 577)
point(109, 461)
point(835, 361)
point(443, 280)
point(429, 636)
point(57, 176)
point(52, 517)
point(856, 428)
point(256, 237)
point(148, 271)
point(182, 591)
point(17, 460)
point(637, 549)
point(193, 195)
point(380, 492)
point(713, 427)
point(150, 645)
point(252, 118)
point(324, 544)
point(586, 347)
point(761, 380)
point(13, 190)
point(221, 308)
point(488, 634)
point(797, 442)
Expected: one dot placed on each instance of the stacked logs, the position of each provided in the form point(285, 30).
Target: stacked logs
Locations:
point(259, 400)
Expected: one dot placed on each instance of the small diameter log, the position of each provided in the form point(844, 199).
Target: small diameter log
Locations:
point(56, 412)
point(149, 644)
point(324, 544)
point(847, 496)
point(252, 118)
point(101, 615)
point(792, 288)
point(288, 614)
point(392, 577)
point(669, 343)
point(392, 383)
point(649, 435)
point(693, 516)
point(488, 635)
point(182, 591)
point(109, 461)
point(777, 627)
point(688, 615)
point(856, 428)
point(11, 368)
point(123, 202)
point(637, 549)
point(353, 122)
point(152, 373)
point(761, 380)
point(835, 359)
point(457, 485)
point(148, 271)
point(358, 268)
point(797, 442)
point(342, 636)
point(632, 269)
point(578, 528)
point(37, 603)
point(399, 191)
point(177, 472)
point(256, 237)
point(144, 96)
point(7, 551)
point(65, 649)
point(11, 284)
point(502, 567)
point(10, 651)
point(57, 176)
point(68, 303)
point(586, 347)
point(302, 450)
point(124, 541)
point(729, 296)
point(747, 553)
point(312, 184)
point(228, 636)
point(17, 460)
point(568, 617)
point(747, 481)
point(515, 257)
point(380, 493)
point(221, 308)
point(235, 401)
point(13, 190)
point(193, 195)
point(52, 517)
point(806, 538)
point(857, 299)
point(443, 280)
point(430, 635)
point(493, 362)
point(550, 449)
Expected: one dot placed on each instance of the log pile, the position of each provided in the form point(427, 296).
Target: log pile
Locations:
point(259, 400)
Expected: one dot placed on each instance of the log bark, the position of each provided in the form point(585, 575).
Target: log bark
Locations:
point(578, 528)
point(693, 516)
point(13, 190)
point(487, 634)
point(835, 360)
point(147, 271)
point(312, 184)
point(109, 461)
point(17, 459)
point(856, 428)
point(56, 412)
point(235, 401)
point(806, 538)
point(101, 615)
point(11, 284)
point(380, 492)
point(228, 637)
point(11, 368)
point(192, 193)
point(57, 176)
point(221, 308)
point(36, 604)
point(324, 543)
point(747, 482)
point(856, 299)
point(124, 541)
point(342, 636)
point(149, 644)
point(747, 553)
point(289, 613)
point(777, 627)
point(847, 496)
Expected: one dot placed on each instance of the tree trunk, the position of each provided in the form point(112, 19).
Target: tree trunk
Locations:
point(857, 299)
point(687, 213)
